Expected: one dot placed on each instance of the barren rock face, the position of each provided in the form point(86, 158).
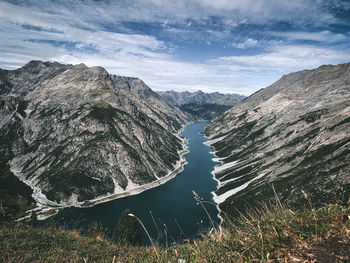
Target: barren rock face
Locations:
point(74, 134)
point(152, 98)
point(294, 135)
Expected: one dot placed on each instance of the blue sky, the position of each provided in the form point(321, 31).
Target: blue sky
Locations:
point(223, 45)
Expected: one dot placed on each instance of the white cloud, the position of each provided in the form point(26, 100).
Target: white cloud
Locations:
point(65, 35)
point(321, 36)
point(286, 58)
point(94, 14)
point(249, 43)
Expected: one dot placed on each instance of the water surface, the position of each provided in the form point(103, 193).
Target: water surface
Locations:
point(176, 215)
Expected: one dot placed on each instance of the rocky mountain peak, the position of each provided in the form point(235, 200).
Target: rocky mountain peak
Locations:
point(294, 134)
point(35, 64)
point(73, 134)
point(202, 105)
point(80, 66)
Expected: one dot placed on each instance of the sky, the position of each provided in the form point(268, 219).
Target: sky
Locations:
point(228, 46)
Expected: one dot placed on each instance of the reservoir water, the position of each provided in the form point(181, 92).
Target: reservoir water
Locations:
point(176, 215)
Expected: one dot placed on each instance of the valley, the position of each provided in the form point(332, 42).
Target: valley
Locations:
point(170, 207)
point(80, 145)
point(112, 136)
point(174, 131)
point(202, 105)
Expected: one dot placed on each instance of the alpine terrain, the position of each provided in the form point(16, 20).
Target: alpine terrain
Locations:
point(293, 136)
point(202, 105)
point(74, 133)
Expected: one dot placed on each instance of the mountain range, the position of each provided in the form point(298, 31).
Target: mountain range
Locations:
point(74, 133)
point(290, 140)
point(202, 105)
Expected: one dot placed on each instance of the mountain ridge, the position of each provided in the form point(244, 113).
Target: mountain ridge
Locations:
point(73, 135)
point(293, 134)
point(202, 105)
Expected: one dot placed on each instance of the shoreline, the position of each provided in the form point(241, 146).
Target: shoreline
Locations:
point(181, 163)
point(46, 208)
point(178, 168)
point(217, 160)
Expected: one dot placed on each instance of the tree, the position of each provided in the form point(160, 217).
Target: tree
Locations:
point(127, 231)
point(33, 220)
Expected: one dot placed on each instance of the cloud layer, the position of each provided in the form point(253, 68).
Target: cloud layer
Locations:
point(226, 46)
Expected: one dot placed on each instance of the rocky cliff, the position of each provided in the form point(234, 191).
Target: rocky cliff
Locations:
point(293, 135)
point(73, 134)
point(202, 105)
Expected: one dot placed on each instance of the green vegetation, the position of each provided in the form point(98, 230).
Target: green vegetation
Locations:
point(235, 139)
point(346, 120)
point(313, 115)
point(15, 196)
point(127, 230)
point(94, 230)
point(22, 106)
point(304, 138)
point(270, 234)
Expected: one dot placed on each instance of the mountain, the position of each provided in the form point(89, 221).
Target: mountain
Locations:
point(73, 134)
point(293, 136)
point(200, 98)
point(152, 98)
point(202, 105)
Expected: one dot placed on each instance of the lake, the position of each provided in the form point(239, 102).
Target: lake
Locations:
point(169, 211)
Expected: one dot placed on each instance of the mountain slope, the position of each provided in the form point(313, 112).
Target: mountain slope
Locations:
point(294, 135)
point(200, 104)
point(152, 98)
point(73, 135)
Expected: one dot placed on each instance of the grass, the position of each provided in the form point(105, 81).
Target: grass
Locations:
point(272, 233)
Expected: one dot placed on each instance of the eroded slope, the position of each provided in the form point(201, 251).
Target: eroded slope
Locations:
point(294, 135)
point(74, 135)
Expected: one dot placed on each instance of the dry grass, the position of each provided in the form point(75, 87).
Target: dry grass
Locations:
point(270, 234)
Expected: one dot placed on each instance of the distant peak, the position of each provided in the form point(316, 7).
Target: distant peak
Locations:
point(81, 65)
point(33, 63)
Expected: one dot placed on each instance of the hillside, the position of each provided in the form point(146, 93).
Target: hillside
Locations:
point(150, 97)
point(72, 134)
point(275, 234)
point(294, 134)
point(202, 105)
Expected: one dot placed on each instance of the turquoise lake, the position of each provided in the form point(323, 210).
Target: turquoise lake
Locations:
point(176, 216)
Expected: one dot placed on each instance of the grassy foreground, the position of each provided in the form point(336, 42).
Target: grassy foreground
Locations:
point(273, 234)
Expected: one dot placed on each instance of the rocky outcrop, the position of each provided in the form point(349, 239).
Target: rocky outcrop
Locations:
point(153, 99)
point(202, 105)
point(293, 135)
point(73, 134)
